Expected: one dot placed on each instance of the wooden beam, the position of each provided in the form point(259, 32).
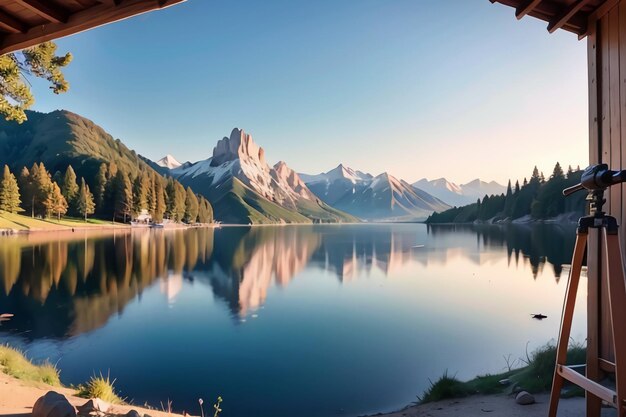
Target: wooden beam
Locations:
point(44, 9)
point(566, 15)
point(11, 24)
point(98, 15)
point(593, 387)
point(522, 11)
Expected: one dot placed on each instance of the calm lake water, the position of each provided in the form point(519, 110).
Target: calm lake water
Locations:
point(282, 321)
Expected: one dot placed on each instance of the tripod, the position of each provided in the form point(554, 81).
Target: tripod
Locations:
point(596, 179)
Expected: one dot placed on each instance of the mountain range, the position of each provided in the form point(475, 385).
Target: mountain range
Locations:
point(459, 195)
point(382, 197)
point(238, 181)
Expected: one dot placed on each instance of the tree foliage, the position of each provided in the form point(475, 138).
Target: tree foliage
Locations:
point(9, 192)
point(39, 61)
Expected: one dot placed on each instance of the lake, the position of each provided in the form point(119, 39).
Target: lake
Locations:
point(328, 320)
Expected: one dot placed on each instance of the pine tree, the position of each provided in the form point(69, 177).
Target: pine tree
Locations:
point(205, 211)
point(160, 204)
point(557, 172)
point(123, 191)
point(85, 201)
point(516, 187)
point(54, 201)
point(191, 206)
point(42, 189)
point(535, 177)
point(9, 192)
point(69, 189)
point(141, 185)
point(39, 61)
point(26, 189)
point(100, 185)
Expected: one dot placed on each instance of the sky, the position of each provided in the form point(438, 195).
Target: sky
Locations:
point(418, 88)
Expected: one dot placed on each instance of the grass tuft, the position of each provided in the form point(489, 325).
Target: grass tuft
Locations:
point(13, 362)
point(535, 377)
point(445, 387)
point(101, 387)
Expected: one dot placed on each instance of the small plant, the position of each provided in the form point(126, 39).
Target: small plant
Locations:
point(100, 387)
point(218, 410)
point(445, 387)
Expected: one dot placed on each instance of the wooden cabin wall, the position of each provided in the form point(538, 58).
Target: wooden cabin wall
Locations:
point(607, 144)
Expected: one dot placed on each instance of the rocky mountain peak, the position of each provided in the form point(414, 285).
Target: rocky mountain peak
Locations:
point(239, 145)
point(168, 161)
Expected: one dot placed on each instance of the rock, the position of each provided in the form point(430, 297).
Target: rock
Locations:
point(53, 404)
point(133, 413)
point(525, 398)
point(94, 405)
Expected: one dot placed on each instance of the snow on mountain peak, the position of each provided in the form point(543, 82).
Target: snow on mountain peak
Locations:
point(239, 145)
point(168, 161)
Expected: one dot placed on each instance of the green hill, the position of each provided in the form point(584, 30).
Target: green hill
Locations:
point(63, 138)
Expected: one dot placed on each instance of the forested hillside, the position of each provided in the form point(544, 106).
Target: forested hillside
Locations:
point(538, 198)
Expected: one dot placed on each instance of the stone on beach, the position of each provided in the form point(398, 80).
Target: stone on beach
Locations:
point(524, 398)
point(94, 405)
point(53, 404)
point(133, 413)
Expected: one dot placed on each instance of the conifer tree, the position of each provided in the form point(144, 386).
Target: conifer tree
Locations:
point(85, 201)
point(69, 189)
point(123, 192)
point(191, 206)
point(159, 201)
point(205, 211)
point(9, 192)
point(26, 189)
point(140, 193)
point(557, 172)
point(42, 189)
point(516, 187)
point(54, 201)
point(100, 183)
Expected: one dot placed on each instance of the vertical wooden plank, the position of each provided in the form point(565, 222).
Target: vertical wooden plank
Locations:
point(615, 207)
point(593, 255)
point(622, 64)
point(605, 340)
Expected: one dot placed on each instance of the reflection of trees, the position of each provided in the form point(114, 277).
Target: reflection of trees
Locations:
point(67, 287)
point(537, 244)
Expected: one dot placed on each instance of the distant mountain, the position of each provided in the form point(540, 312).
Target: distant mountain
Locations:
point(243, 188)
point(459, 195)
point(168, 161)
point(383, 197)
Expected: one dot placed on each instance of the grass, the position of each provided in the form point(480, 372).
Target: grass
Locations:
point(22, 222)
point(535, 377)
point(14, 363)
point(101, 387)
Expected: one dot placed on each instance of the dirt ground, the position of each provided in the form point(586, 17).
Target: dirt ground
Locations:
point(17, 399)
point(497, 405)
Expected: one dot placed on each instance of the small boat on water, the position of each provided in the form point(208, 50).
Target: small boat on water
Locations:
point(156, 225)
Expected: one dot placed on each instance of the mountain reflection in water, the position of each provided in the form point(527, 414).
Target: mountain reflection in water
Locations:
point(60, 285)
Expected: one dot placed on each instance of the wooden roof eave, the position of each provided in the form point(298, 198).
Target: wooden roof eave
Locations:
point(570, 15)
point(20, 36)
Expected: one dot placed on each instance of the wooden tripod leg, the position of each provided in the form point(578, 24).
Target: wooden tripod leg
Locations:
point(566, 319)
point(617, 307)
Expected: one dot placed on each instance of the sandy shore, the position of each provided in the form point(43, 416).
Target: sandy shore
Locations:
point(496, 405)
point(17, 399)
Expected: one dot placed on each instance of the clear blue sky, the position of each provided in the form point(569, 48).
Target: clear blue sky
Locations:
point(419, 88)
